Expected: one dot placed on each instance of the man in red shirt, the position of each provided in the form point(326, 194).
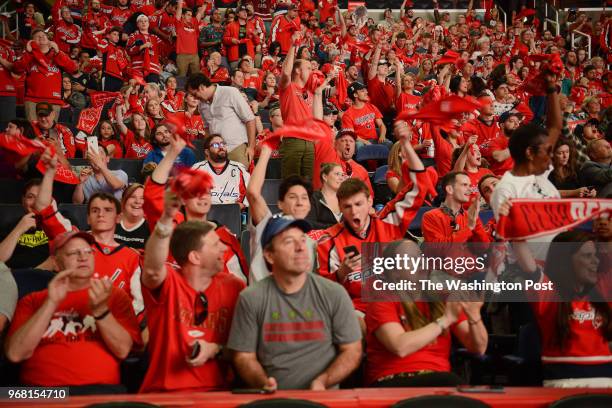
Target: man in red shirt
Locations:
point(362, 117)
point(187, 34)
point(496, 151)
point(163, 25)
point(283, 27)
point(8, 92)
point(240, 38)
point(342, 152)
point(50, 132)
point(296, 107)
point(78, 330)
point(145, 51)
point(117, 262)
point(43, 63)
point(189, 307)
point(451, 223)
point(380, 90)
point(337, 260)
point(66, 33)
point(485, 126)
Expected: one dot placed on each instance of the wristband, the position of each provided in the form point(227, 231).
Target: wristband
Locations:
point(473, 322)
point(440, 322)
point(162, 230)
point(103, 315)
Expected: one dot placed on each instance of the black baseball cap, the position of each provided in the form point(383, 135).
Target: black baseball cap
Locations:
point(354, 87)
point(279, 223)
point(43, 109)
point(508, 114)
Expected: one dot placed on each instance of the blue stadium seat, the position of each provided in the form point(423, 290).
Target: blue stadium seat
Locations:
point(245, 244)
point(379, 175)
point(76, 213)
point(269, 191)
point(132, 167)
point(228, 215)
point(372, 152)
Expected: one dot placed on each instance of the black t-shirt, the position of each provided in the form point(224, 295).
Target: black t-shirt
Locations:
point(31, 250)
point(242, 48)
point(135, 237)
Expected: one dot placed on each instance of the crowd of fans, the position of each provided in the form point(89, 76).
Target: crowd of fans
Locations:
point(156, 280)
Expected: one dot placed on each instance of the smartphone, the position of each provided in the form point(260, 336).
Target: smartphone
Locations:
point(92, 144)
point(251, 391)
point(485, 389)
point(351, 249)
point(195, 350)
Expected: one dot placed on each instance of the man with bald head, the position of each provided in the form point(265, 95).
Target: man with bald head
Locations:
point(597, 172)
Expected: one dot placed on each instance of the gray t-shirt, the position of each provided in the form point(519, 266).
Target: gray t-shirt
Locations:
point(8, 291)
point(294, 335)
point(92, 185)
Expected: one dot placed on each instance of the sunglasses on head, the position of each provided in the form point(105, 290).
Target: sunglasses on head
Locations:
point(200, 317)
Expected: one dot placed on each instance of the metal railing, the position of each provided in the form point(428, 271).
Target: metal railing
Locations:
point(4, 9)
point(548, 20)
point(578, 35)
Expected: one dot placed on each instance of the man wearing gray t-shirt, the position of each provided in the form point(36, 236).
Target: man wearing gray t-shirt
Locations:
point(293, 329)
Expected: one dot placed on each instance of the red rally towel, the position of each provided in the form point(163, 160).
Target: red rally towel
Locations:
point(530, 218)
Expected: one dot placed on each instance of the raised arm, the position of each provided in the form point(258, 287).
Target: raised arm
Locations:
point(257, 204)
point(120, 124)
point(374, 62)
point(399, 70)
point(179, 10)
point(462, 159)
point(45, 194)
point(554, 118)
point(287, 68)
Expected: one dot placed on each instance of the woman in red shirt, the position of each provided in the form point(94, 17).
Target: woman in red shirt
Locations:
point(575, 319)
point(154, 112)
point(136, 138)
point(409, 343)
point(268, 91)
point(108, 138)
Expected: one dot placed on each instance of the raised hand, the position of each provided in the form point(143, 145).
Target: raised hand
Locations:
point(99, 294)
point(58, 287)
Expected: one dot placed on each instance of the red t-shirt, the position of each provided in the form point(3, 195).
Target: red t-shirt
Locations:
point(382, 94)
point(170, 312)
point(499, 143)
point(72, 351)
point(381, 362)
point(406, 102)
point(296, 104)
point(135, 149)
point(362, 121)
point(187, 36)
point(474, 179)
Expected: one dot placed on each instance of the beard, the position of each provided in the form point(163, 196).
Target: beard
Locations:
point(218, 157)
point(508, 132)
point(163, 144)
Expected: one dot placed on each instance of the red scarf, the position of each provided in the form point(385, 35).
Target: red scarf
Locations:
point(534, 218)
point(40, 57)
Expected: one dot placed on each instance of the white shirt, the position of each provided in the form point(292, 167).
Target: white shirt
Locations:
point(229, 186)
point(226, 115)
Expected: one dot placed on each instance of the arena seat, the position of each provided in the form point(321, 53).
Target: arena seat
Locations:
point(372, 152)
point(584, 400)
point(10, 214)
point(273, 170)
point(282, 403)
point(76, 213)
point(379, 174)
point(228, 215)
point(441, 401)
point(132, 167)
point(10, 190)
point(269, 190)
point(245, 244)
point(198, 148)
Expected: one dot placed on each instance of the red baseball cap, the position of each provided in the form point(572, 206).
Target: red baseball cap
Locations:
point(63, 239)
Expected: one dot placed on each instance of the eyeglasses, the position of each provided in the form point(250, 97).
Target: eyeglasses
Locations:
point(200, 317)
point(80, 252)
point(218, 145)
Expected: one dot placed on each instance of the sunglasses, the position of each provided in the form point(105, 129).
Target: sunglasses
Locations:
point(218, 145)
point(200, 317)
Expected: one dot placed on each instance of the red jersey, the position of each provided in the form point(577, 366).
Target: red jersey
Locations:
point(72, 350)
point(362, 121)
point(66, 35)
point(120, 264)
point(219, 76)
point(382, 94)
point(118, 152)
point(120, 16)
point(263, 8)
point(326, 9)
point(44, 78)
point(234, 260)
point(194, 125)
point(381, 362)
point(114, 59)
point(585, 344)
point(499, 143)
point(170, 310)
point(282, 30)
point(135, 148)
point(406, 101)
point(145, 61)
point(485, 132)
point(7, 82)
point(295, 104)
point(60, 133)
point(187, 36)
point(390, 224)
point(475, 178)
point(163, 21)
point(93, 22)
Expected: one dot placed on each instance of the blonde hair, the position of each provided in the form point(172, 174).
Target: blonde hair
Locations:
point(395, 161)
